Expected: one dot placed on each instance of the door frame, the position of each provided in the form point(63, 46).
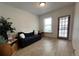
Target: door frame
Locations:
point(67, 28)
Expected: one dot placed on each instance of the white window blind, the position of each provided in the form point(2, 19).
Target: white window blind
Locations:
point(48, 24)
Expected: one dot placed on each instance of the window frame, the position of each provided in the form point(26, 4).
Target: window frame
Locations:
point(68, 28)
point(48, 25)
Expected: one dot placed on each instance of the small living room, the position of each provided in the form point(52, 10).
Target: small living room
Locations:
point(39, 28)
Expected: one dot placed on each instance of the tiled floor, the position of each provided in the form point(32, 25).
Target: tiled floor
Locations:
point(47, 47)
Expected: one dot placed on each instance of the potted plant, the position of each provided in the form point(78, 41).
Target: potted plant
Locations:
point(5, 26)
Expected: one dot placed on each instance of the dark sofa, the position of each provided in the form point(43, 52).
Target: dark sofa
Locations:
point(29, 39)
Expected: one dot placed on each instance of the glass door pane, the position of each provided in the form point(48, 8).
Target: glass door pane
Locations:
point(63, 27)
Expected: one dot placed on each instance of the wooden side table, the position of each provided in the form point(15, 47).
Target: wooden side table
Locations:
point(8, 48)
point(13, 44)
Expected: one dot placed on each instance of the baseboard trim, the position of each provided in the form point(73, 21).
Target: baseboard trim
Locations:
point(51, 37)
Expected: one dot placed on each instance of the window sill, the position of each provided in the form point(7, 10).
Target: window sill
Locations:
point(48, 32)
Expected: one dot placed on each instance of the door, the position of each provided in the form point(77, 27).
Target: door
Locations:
point(63, 27)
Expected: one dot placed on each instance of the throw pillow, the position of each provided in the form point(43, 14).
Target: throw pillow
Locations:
point(36, 32)
point(22, 35)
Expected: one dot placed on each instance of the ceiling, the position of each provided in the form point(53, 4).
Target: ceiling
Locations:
point(34, 8)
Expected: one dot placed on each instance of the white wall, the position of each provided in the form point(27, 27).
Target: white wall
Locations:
point(75, 40)
point(68, 10)
point(22, 20)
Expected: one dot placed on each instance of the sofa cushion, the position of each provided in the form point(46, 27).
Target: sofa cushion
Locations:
point(29, 34)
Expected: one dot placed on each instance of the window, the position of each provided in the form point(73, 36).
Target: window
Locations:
point(48, 24)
